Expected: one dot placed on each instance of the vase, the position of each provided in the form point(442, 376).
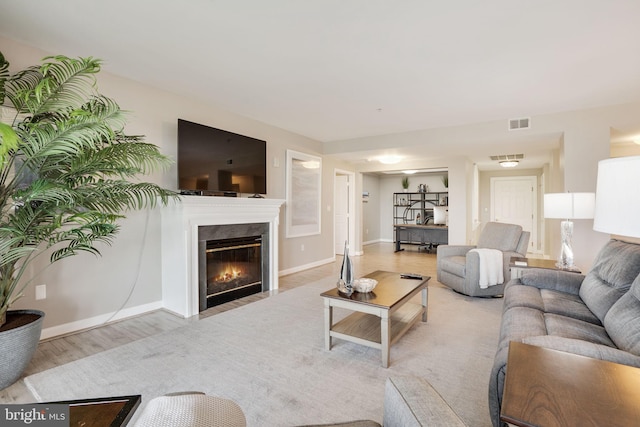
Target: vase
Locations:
point(19, 344)
point(345, 282)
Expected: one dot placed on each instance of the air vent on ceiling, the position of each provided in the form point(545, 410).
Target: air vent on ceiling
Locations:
point(502, 157)
point(523, 123)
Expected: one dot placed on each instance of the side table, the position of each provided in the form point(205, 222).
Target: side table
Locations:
point(550, 388)
point(518, 265)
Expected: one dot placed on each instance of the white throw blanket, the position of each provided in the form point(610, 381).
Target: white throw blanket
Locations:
point(490, 267)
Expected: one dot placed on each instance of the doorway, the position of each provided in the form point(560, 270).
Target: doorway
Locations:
point(514, 201)
point(344, 207)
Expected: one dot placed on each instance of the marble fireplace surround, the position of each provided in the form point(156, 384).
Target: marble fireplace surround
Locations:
point(180, 222)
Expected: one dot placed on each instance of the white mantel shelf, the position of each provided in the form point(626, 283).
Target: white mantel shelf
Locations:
point(180, 222)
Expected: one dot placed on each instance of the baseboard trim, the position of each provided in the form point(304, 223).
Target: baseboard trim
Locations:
point(371, 242)
point(92, 322)
point(306, 266)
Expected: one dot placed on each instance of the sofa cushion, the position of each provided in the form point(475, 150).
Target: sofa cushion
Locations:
point(413, 402)
point(518, 295)
point(558, 280)
point(623, 320)
point(568, 327)
point(568, 305)
point(615, 268)
point(504, 237)
point(519, 323)
point(548, 301)
point(585, 348)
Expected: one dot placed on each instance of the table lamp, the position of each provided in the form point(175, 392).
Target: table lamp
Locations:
point(617, 197)
point(568, 206)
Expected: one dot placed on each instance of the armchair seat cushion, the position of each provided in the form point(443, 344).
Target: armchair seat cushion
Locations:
point(454, 265)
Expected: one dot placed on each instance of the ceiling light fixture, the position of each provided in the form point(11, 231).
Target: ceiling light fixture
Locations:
point(509, 163)
point(389, 159)
point(409, 172)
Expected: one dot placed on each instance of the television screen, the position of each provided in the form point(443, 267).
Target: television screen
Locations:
point(212, 160)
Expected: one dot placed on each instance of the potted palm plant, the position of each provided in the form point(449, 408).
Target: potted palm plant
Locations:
point(405, 183)
point(68, 173)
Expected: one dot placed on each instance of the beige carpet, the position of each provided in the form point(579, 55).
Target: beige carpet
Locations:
point(269, 357)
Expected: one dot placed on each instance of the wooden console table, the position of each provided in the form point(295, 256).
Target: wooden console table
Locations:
point(549, 388)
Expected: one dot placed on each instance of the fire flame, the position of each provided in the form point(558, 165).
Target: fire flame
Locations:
point(228, 273)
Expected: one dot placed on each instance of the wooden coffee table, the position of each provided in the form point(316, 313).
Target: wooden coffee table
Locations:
point(380, 317)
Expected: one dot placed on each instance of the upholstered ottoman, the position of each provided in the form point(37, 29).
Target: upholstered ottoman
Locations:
point(191, 410)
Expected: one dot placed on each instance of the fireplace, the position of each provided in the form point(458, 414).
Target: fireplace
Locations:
point(193, 220)
point(232, 262)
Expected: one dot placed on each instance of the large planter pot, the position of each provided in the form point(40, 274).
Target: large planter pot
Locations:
point(18, 340)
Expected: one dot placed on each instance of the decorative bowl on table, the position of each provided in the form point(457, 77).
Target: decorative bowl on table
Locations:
point(364, 284)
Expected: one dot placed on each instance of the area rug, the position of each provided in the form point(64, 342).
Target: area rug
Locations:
point(269, 357)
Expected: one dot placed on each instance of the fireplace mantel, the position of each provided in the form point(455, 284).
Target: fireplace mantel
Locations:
point(180, 222)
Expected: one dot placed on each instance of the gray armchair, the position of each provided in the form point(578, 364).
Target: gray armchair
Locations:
point(460, 269)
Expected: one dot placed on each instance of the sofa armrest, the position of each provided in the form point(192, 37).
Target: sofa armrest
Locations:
point(557, 280)
point(411, 401)
point(453, 250)
point(584, 348)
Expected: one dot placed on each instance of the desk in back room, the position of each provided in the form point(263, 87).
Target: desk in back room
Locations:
point(423, 235)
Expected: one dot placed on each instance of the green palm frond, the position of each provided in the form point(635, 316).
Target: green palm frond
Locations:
point(68, 171)
point(10, 247)
point(65, 83)
point(19, 86)
point(8, 142)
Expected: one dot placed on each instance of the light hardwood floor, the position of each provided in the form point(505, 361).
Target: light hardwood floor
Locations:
point(65, 349)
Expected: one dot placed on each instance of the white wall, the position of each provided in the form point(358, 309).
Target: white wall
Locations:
point(83, 291)
point(371, 208)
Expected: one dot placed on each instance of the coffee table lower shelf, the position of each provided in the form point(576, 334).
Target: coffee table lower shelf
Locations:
point(365, 329)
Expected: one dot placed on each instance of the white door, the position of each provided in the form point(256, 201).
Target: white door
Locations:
point(341, 212)
point(513, 201)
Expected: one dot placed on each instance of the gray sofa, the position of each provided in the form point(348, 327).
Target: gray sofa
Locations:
point(459, 269)
point(410, 402)
point(597, 315)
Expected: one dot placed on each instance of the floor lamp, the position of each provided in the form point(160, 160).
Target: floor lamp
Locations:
point(618, 197)
point(568, 206)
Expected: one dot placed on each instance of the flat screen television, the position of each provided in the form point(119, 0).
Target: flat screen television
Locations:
point(212, 161)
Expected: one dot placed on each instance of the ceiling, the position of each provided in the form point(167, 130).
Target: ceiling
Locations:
point(335, 70)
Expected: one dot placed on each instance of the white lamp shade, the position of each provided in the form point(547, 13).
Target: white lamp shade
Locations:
point(618, 197)
point(569, 205)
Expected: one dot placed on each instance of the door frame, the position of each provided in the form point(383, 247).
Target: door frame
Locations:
point(351, 207)
point(533, 179)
